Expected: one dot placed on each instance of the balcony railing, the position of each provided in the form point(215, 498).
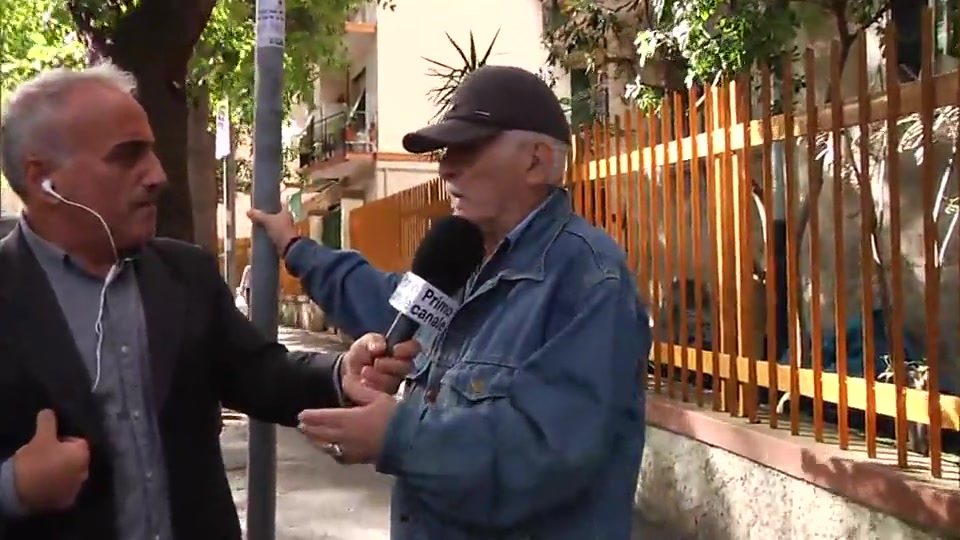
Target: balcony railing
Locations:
point(335, 136)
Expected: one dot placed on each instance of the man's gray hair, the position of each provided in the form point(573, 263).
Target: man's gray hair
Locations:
point(558, 168)
point(25, 126)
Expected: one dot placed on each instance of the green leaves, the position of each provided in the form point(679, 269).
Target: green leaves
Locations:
point(450, 77)
point(41, 34)
point(683, 43)
point(34, 36)
point(224, 61)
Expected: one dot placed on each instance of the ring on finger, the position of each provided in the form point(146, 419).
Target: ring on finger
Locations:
point(335, 450)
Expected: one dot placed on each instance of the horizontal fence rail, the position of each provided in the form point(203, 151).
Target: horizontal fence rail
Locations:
point(797, 249)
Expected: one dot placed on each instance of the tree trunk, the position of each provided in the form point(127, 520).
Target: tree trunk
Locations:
point(166, 106)
point(202, 169)
point(154, 41)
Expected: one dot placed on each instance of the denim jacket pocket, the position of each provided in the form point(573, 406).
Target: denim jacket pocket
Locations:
point(474, 382)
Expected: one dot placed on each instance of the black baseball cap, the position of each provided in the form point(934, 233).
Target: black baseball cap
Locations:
point(491, 100)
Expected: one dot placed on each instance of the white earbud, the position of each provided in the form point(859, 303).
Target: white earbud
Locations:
point(47, 186)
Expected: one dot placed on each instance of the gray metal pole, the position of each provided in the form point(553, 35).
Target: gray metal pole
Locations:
point(264, 271)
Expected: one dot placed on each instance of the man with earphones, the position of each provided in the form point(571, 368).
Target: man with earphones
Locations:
point(116, 348)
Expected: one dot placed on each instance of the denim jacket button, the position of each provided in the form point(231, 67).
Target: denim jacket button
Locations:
point(431, 395)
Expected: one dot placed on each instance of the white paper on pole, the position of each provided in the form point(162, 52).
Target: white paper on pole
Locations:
point(271, 23)
point(223, 132)
point(422, 302)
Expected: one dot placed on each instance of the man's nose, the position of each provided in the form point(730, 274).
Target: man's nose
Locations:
point(157, 177)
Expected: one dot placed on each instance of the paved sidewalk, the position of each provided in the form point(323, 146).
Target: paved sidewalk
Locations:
point(320, 500)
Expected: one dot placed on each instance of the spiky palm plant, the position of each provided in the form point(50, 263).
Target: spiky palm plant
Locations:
point(450, 77)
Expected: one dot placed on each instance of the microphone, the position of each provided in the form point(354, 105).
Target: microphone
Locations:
point(445, 259)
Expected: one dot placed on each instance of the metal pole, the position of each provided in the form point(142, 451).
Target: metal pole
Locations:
point(264, 277)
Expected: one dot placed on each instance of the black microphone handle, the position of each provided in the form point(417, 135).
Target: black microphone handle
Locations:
point(402, 329)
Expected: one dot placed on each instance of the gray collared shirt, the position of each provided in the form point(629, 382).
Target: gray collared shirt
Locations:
point(121, 383)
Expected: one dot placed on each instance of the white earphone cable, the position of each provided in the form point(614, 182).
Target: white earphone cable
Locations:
point(112, 274)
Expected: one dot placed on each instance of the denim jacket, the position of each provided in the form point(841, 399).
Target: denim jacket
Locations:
point(525, 419)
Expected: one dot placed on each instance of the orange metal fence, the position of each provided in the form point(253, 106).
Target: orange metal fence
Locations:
point(691, 195)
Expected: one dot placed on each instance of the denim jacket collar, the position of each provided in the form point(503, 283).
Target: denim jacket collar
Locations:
point(527, 245)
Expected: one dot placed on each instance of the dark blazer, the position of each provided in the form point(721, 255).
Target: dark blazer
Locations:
point(203, 353)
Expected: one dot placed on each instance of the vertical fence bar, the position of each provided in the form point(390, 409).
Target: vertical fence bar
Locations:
point(644, 222)
point(600, 159)
point(867, 231)
point(814, 187)
point(697, 245)
point(616, 193)
point(728, 286)
point(770, 244)
point(656, 249)
point(839, 266)
point(793, 241)
point(584, 171)
point(611, 165)
point(931, 235)
point(631, 186)
point(590, 137)
point(956, 166)
point(669, 247)
point(747, 330)
point(713, 211)
point(682, 245)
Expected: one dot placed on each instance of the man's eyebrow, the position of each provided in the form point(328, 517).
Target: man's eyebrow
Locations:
point(125, 149)
point(134, 141)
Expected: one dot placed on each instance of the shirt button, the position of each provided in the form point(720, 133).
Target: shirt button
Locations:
point(149, 475)
point(136, 415)
point(124, 349)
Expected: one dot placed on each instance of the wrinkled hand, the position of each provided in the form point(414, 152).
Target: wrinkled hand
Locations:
point(280, 226)
point(49, 472)
point(358, 430)
point(365, 365)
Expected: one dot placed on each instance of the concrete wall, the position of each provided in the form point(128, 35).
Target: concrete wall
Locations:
point(709, 493)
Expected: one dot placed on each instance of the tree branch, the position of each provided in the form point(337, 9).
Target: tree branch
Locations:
point(95, 38)
point(161, 34)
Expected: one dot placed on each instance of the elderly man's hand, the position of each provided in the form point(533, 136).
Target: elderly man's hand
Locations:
point(353, 435)
point(280, 226)
point(365, 365)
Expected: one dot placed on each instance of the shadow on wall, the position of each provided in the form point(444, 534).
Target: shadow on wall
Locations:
point(841, 476)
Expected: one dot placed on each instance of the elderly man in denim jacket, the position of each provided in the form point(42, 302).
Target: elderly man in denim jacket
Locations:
point(525, 419)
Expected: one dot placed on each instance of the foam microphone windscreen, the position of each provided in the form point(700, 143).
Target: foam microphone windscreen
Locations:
point(449, 253)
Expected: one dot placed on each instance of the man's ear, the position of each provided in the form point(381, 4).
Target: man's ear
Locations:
point(540, 163)
point(35, 172)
